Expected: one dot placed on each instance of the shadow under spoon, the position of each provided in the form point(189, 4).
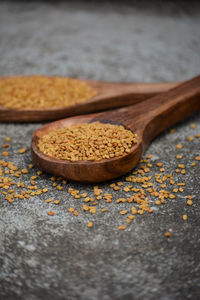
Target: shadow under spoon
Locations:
point(147, 119)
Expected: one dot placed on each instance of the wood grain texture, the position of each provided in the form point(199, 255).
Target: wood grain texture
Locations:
point(147, 119)
point(109, 95)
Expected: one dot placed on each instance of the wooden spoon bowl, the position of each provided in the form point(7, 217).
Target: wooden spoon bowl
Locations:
point(147, 119)
point(109, 95)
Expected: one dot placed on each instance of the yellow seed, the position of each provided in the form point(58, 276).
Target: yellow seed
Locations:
point(159, 164)
point(45, 190)
point(84, 195)
point(167, 234)
point(179, 156)
point(190, 138)
point(179, 146)
point(193, 126)
point(56, 202)
point(184, 217)
point(189, 202)
point(7, 139)
point(103, 210)
point(197, 157)
point(172, 196)
point(90, 224)
point(85, 207)
point(157, 202)
point(71, 209)
point(51, 213)
point(131, 217)
point(193, 164)
point(122, 227)
point(48, 200)
point(98, 141)
point(4, 153)
point(22, 150)
point(123, 212)
point(181, 166)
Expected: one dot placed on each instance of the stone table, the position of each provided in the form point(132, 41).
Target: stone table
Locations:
point(58, 257)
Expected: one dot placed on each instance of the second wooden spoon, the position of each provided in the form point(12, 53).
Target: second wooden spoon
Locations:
point(147, 119)
point(109, 95)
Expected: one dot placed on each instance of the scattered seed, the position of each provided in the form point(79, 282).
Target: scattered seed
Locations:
point(185, 217)
point(90, 224)
point(51, 213)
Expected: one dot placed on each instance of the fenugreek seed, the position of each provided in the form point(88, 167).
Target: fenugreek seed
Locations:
point(190, 138)
point(4, 153)
point(189, 196)
point(189, 202)
point(51, 213)
point(56, 202)
point(193, 126)
point(71, 209)
point(84, 195)
point(5, 145)
point(157, 202)
point(181, 166)
point(197, 157)
point(76, 213)
point(167, 234)
point(131, 217)
point(115, 140)
point(123, 212)
point(48, 200)
point(179, 156)
point(41, 92)
point(122, 227)
point(193, 164)
point(159, 164)
point(179, 146)
point(103, 210)
point(184, 217)
point(22, 150)
point(90, 224)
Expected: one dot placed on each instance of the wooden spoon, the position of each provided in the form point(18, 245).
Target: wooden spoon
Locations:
point(109, 95)
point(147, 119)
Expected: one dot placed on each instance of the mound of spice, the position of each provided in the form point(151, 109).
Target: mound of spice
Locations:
point(35, 92)
point(82, 142)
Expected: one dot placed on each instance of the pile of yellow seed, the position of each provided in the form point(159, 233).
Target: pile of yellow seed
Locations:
point(36, 92)
point(81, 142)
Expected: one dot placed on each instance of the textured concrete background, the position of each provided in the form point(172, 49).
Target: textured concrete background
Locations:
point(58, 257)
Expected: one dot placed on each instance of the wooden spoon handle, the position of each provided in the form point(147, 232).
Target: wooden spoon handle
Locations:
point(171, 107)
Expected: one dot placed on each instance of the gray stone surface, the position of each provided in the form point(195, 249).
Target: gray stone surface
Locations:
point(58, 257)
